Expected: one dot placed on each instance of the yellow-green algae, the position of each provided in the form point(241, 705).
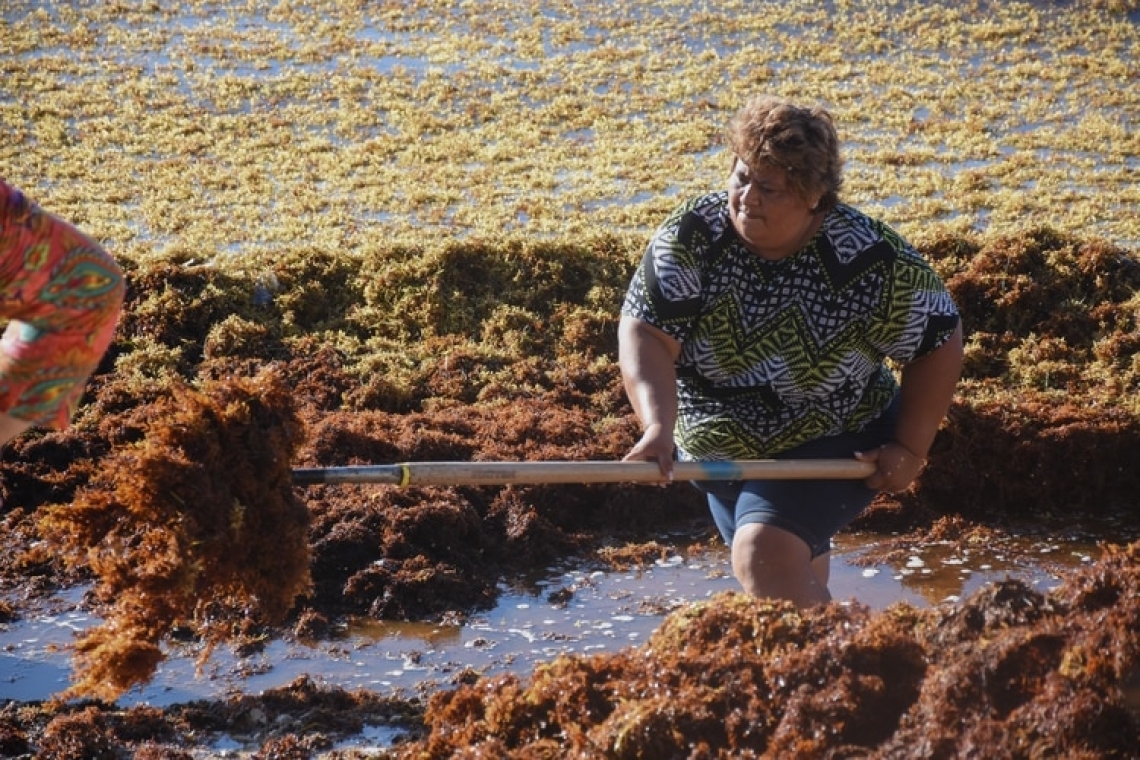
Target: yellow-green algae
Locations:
point(342, 169)
point(209, 129)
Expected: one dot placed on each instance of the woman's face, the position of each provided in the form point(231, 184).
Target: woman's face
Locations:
point(770, 217)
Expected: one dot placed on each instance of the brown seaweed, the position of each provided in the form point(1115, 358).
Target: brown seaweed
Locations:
point(195, 525)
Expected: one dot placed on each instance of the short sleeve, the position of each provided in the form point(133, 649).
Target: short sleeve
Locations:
point(666, 288)
point(920, 314)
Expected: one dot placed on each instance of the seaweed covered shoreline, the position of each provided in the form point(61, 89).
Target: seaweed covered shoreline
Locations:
point(359, 232)
point(437, 553)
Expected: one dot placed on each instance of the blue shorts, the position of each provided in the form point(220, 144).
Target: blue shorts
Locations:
point(814, 510)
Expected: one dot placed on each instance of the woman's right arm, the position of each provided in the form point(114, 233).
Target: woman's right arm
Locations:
point(647, 357)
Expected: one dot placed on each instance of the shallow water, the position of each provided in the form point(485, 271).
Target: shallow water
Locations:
point(936, 78)
point(568, 610)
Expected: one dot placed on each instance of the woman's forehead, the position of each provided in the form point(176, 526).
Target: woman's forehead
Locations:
point(762, 169)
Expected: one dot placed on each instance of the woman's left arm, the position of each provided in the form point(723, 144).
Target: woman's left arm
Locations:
point(928, 385)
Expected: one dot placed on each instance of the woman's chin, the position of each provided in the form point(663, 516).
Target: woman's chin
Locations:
point(750, 229)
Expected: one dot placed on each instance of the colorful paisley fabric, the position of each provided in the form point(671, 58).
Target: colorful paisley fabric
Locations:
point(61, 294)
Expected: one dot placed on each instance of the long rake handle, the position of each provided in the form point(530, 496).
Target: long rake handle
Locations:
point(507, 473)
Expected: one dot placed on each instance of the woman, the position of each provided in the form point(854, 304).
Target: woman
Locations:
point(759, 324)
point(61, 294)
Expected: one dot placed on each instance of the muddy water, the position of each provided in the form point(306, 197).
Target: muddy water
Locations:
point(562, 610)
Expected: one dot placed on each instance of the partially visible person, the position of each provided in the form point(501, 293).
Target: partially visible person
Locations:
point(759, 325)
point(61, 295)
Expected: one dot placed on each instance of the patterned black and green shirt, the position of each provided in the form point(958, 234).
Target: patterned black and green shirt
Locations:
point(774, 354)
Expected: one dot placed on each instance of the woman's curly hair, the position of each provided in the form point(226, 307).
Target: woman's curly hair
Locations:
point(800, 140)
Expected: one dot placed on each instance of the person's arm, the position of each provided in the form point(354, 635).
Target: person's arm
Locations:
point(61, 314)
point(10, 427)
point(928, 387)
point(647, 359)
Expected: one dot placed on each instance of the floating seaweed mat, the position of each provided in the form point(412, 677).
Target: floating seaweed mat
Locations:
point(196, 525)
point(1009, 672)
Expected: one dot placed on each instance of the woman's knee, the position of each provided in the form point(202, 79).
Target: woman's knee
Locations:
point(762, 550)
point(770, 562)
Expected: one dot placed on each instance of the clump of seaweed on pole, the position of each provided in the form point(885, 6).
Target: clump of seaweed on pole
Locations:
point(195, 526)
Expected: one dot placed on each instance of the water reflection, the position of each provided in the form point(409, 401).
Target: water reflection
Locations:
point(563, 610)
point(940, 572)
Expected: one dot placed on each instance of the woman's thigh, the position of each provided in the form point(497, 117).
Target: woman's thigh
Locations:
point(814, 510)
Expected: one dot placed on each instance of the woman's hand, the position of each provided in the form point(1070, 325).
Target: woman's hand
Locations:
point(896, 467)
point(927, 390)
point(656, 445)
point(647, 358)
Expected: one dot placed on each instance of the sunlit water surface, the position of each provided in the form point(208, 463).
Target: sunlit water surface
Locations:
point(567, 610)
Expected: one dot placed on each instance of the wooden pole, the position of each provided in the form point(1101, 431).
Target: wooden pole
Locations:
point(507, 473)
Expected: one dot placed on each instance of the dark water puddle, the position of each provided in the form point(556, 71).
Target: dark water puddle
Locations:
point(566, 610)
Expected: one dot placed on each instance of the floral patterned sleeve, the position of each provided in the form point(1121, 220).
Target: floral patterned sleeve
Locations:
point(61, 295)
